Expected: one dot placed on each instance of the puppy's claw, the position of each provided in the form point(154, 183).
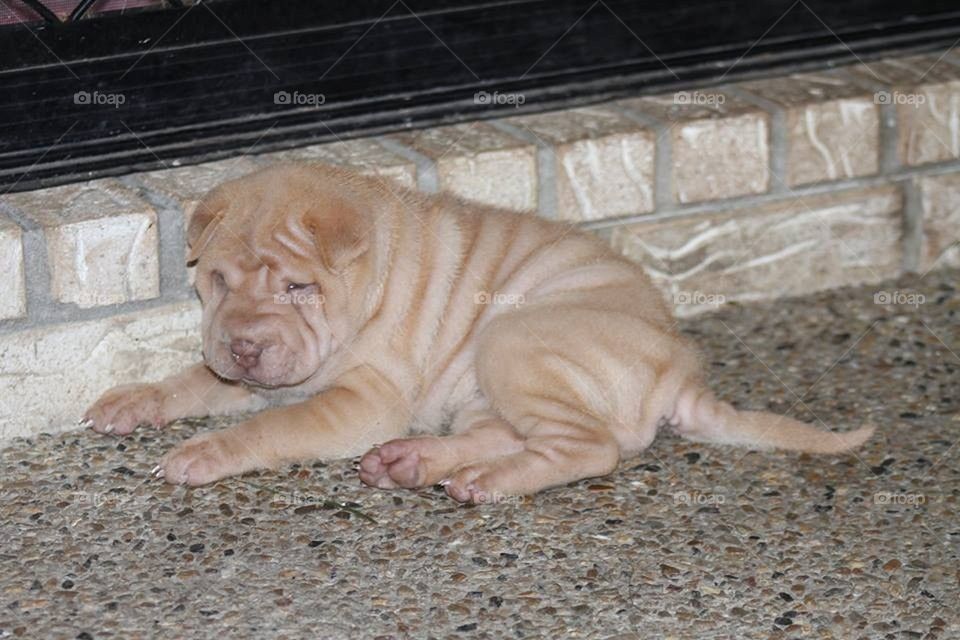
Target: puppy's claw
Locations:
point(108, 428)
point(156, 469)
point(159, 475)
point(444, 482)
point(85, 423)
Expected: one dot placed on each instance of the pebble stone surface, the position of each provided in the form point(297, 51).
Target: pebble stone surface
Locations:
point(685, 540)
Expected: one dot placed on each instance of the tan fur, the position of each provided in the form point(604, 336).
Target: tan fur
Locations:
point(493, 352)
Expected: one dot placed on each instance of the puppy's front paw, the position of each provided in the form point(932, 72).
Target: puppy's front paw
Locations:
point(200, 460)
point(122, 409)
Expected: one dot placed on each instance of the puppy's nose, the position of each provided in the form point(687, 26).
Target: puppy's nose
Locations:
point(245, 353)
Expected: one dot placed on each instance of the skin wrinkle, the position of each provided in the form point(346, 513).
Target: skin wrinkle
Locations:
point(474, 311)
point(414, 313)
point(458, 281)
point(551, 356)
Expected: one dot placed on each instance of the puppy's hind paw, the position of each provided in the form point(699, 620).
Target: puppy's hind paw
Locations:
point(410, 463)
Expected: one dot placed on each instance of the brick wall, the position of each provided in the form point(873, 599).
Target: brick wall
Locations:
point(734, 193)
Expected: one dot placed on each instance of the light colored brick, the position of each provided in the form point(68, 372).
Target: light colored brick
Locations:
point(603, 162)
point(833, 127)
point(719, 143)
point(363, 155)
point(13, 301)
point(940, 198)
point(101, 242)
point(781, 249)
point(187, 185)
point(926, 93)
point(50, 375)
point(480, 163)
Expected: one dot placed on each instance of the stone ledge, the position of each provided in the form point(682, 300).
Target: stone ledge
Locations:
point(13, 303)
point(940, 224)
point(603, 162)
point(720, 144)
point(49, 375)
point(364, 155)
point(925, 93)
point(832, 127)
point(101, 242)
point(790, 248)
point(479, 162)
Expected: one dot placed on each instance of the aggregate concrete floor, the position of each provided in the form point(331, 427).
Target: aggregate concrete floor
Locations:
point(684, 541)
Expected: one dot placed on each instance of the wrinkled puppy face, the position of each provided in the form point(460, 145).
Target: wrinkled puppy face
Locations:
point(281, 259)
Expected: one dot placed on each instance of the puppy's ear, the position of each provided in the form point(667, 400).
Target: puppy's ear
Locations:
point(206, 217)
point(340, 232)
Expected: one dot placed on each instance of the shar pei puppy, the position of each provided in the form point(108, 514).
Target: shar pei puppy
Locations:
point(492, 352)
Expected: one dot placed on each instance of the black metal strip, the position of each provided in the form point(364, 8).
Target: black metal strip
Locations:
point(178, 84)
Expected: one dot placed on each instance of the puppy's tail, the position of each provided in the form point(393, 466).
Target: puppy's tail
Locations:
point(701, 417)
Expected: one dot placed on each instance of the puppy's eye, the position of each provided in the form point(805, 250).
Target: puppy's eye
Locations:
point(296, 286)
point(218, 280)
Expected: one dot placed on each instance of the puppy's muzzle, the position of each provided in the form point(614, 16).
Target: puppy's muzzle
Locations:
point(245, 353)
